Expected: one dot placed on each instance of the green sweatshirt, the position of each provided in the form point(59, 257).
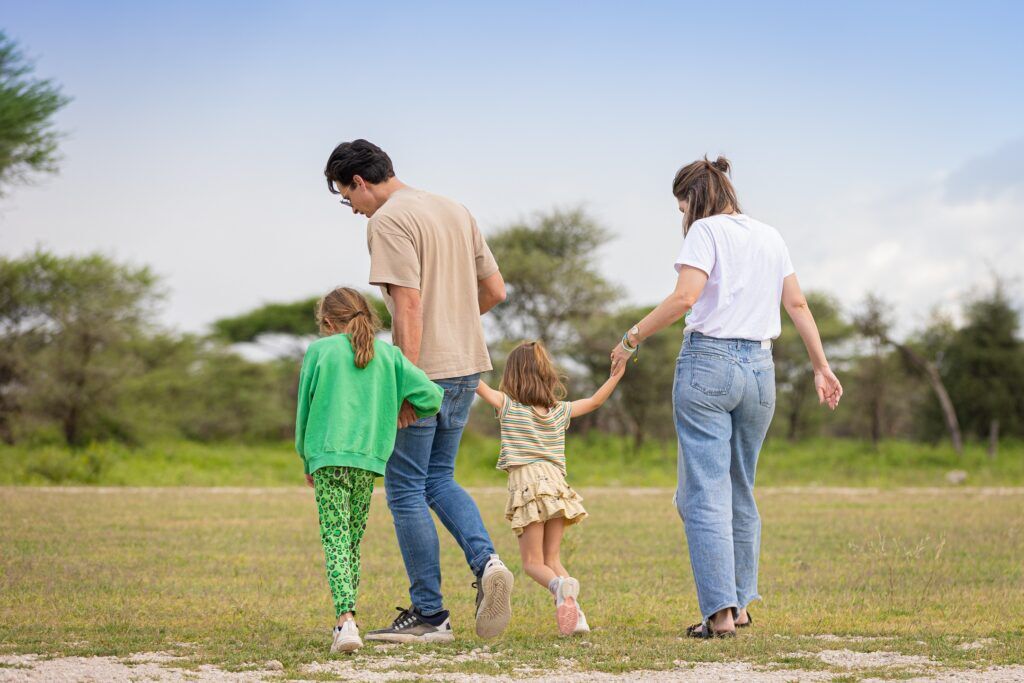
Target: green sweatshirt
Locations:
point(349, 416)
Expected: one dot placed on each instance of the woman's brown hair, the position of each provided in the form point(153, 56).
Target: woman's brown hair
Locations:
point(530, 376)
point(346, 310)
point(706, 187)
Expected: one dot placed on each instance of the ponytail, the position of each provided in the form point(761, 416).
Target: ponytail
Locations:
point(345, 309)
point(361, 334)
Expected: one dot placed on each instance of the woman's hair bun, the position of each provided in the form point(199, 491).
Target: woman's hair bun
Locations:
point(722, 164)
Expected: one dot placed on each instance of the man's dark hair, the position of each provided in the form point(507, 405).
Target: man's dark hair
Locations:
point(357, 158)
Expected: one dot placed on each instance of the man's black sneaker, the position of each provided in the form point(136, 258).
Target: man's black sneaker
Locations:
point(411, 627)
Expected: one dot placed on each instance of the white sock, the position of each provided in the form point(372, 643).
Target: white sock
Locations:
point(553, 585)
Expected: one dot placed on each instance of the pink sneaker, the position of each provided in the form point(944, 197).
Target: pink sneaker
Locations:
point(566, 609)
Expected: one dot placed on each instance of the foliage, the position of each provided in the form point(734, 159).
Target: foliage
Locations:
point(984, 366)
point(28, 142)
point(552, 278)
point(643, 399)
point(68, 326)
point(796, 413)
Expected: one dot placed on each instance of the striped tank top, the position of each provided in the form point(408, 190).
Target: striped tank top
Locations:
point(527, 436)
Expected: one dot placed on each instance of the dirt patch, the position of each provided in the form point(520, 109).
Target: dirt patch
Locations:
point(994, 674)
point(832, 638)
point(848, 659)
point(685, 672)
point(158, 667)
point(141, 666)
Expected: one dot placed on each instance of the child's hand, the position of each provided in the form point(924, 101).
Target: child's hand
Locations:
point(618, 370)
point(309, 480)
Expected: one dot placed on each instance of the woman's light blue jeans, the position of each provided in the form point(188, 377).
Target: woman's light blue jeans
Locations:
point(723, 399)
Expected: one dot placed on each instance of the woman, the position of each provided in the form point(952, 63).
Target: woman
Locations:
point(733, 273)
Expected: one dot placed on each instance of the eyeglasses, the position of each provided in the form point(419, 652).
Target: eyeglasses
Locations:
point(345, 202)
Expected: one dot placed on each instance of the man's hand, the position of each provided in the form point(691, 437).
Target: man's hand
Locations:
point(407, 415)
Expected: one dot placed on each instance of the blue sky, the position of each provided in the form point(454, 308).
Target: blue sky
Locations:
point(884, 140)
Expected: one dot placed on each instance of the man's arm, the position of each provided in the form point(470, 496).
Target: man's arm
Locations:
point(407, 321)
point(491, 291)
point(407, 334)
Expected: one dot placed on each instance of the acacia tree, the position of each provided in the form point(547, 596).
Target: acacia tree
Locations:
point(21, 322)
point(873, 325)
point(793, 373)
point(984, 368)
point(644, 397)
point(293, 321)
point(66, 329)
point(28, 141)
point(550, 269)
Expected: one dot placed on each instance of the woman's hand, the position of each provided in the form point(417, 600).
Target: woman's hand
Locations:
point(309, 480)
point(619, 357)
point(828, 387)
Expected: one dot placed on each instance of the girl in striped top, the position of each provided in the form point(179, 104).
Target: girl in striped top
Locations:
point(541, 504)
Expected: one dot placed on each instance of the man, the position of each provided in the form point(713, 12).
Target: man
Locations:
point(438, 277)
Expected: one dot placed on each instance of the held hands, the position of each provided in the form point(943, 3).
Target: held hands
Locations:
point(619, 357)
point(407, 415)
point(828, 387)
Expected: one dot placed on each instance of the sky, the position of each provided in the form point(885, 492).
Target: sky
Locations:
point(884, 140)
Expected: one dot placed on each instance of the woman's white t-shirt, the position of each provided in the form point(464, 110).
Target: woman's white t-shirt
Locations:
point(746, 261)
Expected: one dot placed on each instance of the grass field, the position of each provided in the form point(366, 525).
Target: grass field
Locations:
point(594, 460)
point(929, 581)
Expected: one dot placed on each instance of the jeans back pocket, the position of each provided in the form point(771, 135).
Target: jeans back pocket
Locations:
point(765, 378)
point(710, 374)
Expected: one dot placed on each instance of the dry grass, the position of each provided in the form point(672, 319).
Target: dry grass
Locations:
point(237, 576)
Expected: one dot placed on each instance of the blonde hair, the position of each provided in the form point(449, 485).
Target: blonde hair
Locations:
point(346, 310)
point(706, 188)
point(530, 376)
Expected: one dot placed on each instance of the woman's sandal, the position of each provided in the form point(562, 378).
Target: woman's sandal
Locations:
point(750, 620)
point(704, 631)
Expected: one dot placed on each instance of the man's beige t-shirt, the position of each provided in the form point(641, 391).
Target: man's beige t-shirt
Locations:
point(430, 243)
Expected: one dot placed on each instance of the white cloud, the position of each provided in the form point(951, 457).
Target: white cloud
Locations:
point(928, 247)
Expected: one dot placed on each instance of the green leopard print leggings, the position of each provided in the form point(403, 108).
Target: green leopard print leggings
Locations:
point(343, 501)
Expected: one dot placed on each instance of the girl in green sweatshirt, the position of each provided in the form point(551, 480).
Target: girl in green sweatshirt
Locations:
point(351, 388)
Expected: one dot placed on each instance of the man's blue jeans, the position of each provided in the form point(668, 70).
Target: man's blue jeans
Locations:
point(421, 473)
point(724, 399)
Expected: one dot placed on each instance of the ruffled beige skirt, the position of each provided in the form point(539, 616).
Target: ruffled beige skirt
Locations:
point(538, 492)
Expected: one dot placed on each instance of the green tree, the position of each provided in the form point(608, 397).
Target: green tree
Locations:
point(984, 367)
point(794, 376)
point(293, 319)
point(552, 277)
point(874, 325)
point(82, 315)
point(28, 142)
point(21, 321)
point(643, 399)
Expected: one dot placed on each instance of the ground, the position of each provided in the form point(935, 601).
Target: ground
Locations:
point(226, 583)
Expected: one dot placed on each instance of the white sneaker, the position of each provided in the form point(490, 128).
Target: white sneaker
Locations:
point(493, 599)
point(346, 637)
point(581, 624)
point(566, 610)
